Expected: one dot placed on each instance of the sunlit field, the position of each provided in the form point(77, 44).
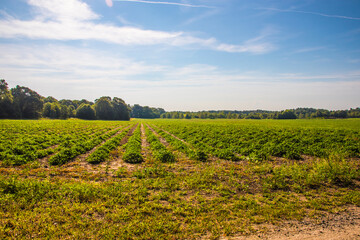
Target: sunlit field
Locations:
point(172, 179)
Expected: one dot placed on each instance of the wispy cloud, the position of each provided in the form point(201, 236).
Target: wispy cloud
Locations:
point(166, 3)
point(75, 72)
point(312, 13)
point(201, 16)
point(75, 22)
point(310, 49)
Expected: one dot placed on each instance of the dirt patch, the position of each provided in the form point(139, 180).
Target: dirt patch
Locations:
point(343, 225)
point(117, 161)
point(44, 162)
point(161, 139)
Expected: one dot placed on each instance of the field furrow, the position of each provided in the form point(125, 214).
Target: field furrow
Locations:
point(159, 150)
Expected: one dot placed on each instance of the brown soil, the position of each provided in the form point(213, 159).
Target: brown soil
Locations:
point(343, 225)
point(44, 162)
point(117, 161)
point(161, 139)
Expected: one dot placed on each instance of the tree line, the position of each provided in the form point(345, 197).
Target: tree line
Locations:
point(23, 103)
point(298, 113)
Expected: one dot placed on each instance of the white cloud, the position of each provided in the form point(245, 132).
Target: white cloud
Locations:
point(70, 61)
point(63, 10)
point(166, 3)
point(312, 13)
point(309, 49)
point(76, 73)
point(72, 20)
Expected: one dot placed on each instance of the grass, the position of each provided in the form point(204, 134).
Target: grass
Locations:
point(171, 201)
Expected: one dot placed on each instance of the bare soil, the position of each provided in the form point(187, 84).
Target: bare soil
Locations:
point(117, 161)
point(343, 225)
point(45, 160)
point(161, 139)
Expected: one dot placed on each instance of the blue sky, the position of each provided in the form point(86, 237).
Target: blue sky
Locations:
point(187, 54)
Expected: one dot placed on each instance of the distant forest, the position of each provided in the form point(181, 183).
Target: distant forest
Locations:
point(299, 113)
point(24, 103)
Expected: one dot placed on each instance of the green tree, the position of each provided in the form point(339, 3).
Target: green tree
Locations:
point(27, 103)
point(64, 112)
point(104, 109)
point(50, 100)
point(85, 111)
point(47, 110)
point(72, 111)
point(287, 114)
point(55, 111)
point(6, 100)
point(121, 110)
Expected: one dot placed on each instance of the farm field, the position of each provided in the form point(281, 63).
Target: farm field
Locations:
point(176, 179)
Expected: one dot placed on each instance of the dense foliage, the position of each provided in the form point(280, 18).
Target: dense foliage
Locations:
point(24, 103)
point(146, 112)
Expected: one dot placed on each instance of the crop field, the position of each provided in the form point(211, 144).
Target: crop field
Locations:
point(173, 179)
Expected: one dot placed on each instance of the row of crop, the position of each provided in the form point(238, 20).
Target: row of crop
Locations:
point(159, 151)
point(81, 147)
point(45, 138)
point(201, 146)
point(133, 148)
point(261, 142)
point(176, 144)
point(103, 152)
point(230, 146)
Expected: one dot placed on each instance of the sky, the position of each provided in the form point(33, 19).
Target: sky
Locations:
point(187, 55)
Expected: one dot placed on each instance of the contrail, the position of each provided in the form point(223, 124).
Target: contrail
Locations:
point(313, 13)
point(166, 3)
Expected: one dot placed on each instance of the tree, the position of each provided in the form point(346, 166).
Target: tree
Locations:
point(64, 112)
point(55, 111)
point(72, 111)
point(287, 114)
point(50, 100)
point(121, 110)
point(47, 110)
point(6, 100)
point(27, 103)
point(103, 108)
point(85, 111)
point(136, 111)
